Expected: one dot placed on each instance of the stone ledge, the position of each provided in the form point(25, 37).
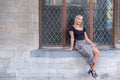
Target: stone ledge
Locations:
point(61, 53)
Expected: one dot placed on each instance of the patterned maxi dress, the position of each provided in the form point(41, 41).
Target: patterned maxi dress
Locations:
point(82, 46)
point(86, 50)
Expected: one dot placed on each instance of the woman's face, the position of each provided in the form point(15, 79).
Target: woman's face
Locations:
point(79, 20)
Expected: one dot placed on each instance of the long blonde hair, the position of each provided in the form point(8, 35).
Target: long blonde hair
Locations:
point(75, 20)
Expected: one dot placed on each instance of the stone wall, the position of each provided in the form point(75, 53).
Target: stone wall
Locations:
point(19, 25)
point(19, 35)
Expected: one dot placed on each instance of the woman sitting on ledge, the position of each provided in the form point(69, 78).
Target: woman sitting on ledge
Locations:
point(83, 44)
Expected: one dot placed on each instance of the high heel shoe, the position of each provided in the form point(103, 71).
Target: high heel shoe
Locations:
point(93, 73)
point(90, 71)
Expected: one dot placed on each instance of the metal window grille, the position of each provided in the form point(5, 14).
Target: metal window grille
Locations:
point(51, 23)
point(52, 20)
point(103, 19)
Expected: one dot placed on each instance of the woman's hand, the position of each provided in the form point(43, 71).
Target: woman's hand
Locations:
point(69, 49)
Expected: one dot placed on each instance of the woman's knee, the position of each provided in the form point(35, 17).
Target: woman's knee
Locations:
point(96, 51)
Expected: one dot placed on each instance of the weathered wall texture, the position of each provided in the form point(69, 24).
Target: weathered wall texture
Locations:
point(19, 34)
point(18, 24)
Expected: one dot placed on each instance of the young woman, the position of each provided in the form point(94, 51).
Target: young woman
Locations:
point(83, 44)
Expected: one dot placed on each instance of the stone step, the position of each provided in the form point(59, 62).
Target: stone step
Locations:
point(61, 53)
point(64, 65)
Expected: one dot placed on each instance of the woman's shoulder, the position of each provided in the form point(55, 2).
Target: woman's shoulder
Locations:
point(71, 28)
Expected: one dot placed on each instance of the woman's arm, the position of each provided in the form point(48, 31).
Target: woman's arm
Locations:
point(71, 40)
point(88, 40)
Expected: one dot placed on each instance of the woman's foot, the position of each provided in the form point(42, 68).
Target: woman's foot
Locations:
point(93, 73)
point(90, 71)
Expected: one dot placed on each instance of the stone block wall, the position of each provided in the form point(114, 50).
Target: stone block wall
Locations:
point(19, 25)
point(19, 34)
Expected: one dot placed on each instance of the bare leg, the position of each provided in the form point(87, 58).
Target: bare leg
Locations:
point(96, 56)
point(93, 66)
